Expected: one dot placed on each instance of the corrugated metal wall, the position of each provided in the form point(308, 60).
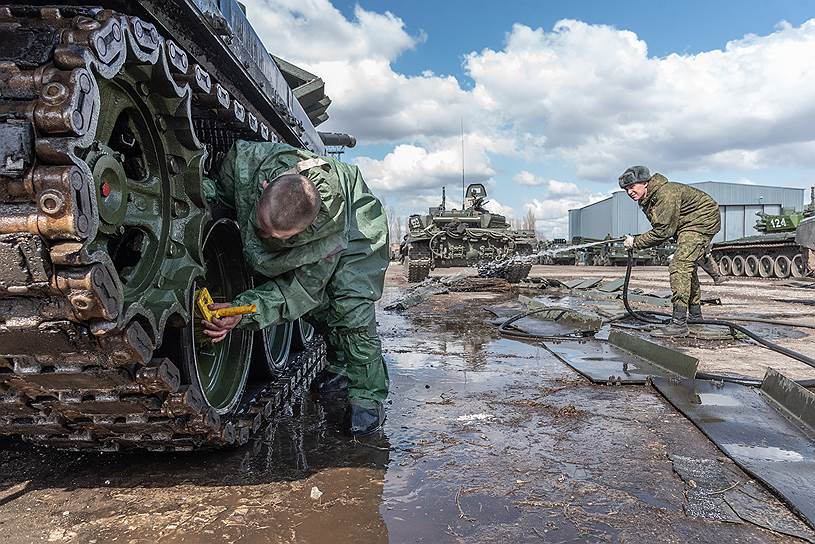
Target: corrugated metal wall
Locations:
point(618, 215)
point(595, 218)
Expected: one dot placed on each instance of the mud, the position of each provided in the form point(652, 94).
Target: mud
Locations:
point(487, 440)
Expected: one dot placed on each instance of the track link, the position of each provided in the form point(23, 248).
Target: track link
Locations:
point(417, 263)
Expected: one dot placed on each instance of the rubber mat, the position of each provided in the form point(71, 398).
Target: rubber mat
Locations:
point(751, 429)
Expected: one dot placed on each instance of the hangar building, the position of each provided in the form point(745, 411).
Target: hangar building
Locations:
point(618, 215)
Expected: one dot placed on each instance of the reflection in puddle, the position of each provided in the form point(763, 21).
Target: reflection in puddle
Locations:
point(716, 399)
point(767, 453)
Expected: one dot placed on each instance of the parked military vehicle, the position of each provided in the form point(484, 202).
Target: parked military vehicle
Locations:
point(109, 118)
point(566, 257)
point(772, 254)
point(468, 237)
point(615, 254)
point(805, 238)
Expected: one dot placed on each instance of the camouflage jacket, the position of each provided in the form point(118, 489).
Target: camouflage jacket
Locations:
point(673, 208)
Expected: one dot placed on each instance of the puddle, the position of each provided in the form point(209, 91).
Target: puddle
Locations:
point(715, 399)
point(765, 453)
point(487, 440)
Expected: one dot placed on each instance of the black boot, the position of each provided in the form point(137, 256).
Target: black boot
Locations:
point(365, 418)
point(332, 385)
point(678, 327)
point(709, 265)
point(695, 311)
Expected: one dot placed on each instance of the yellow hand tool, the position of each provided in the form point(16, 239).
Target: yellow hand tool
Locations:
point(203, 300)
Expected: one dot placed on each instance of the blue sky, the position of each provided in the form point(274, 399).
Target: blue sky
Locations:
point(557, 98)
point(456, 27)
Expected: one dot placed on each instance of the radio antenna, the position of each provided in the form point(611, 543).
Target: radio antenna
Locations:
point(462, 164)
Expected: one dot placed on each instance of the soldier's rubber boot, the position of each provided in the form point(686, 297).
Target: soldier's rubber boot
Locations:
point(695, 311)
point(677, 328)
point(709, 265)
point(365, 418)
point(332, 386)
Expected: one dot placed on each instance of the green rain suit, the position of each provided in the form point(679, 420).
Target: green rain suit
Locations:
point(331, 274)
point(691, 217)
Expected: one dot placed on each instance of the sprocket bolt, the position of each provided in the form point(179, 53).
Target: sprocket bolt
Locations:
point(54, 93)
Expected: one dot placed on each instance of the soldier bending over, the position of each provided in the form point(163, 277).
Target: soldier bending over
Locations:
point(691, 217)
point(316, 239)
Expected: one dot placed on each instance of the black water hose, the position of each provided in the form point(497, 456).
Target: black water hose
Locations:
point(659, 319)
point(504, 327)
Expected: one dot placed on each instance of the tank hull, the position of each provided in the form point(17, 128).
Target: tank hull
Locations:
point(109, 119)
point(771, 255)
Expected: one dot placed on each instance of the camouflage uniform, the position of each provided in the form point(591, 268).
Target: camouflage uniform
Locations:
point(689, 215)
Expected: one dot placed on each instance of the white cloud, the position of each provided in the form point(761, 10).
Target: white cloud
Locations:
point(603, 103)
point(410, 167)
point(353, 57)
point(313, 31)
point(588, 95)
point(493, 206)
point(552, 214)
point(552, 186)
point(525, 177)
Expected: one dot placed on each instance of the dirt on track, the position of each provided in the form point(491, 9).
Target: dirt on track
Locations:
point(487, 440)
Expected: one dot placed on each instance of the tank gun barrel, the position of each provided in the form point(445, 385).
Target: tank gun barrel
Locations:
point(338, 139)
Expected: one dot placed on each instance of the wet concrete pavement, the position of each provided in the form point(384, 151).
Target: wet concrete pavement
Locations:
point(487, 440)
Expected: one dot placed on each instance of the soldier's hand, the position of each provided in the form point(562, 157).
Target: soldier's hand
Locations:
point(629, 242)
point(219, 327)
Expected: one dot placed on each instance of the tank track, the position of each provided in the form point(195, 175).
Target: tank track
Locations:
point(513, 270)
point(144, 407)
point(774, 248)
point(417, 263)
point(517, 271)
point(78, 362)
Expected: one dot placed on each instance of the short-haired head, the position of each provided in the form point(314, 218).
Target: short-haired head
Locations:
point(287, 206)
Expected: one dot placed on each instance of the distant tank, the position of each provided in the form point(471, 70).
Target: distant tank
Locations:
point(568, 257)
point(615, 254)
point(772, 254)
point(468, 237)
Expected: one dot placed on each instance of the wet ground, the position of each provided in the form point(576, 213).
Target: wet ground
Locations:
point(487, 440)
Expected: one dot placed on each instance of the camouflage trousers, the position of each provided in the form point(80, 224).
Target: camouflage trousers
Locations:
point(690, 250)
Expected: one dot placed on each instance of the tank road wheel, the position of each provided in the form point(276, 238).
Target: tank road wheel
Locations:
point(766, 266)
point(725, 266)
point(798, 270)
point(220, 370)
point(738, 265)
point(751, 266)
point(302, 335)
point(782, 267)
point(272, 352)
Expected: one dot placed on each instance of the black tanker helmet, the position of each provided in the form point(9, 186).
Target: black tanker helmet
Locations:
point(633, 175)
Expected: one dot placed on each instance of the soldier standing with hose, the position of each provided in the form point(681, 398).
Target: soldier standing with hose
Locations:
point(691, 217)
point(316, 240)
